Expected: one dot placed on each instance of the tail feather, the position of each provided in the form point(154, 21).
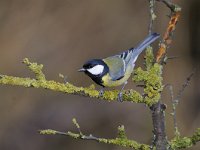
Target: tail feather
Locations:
point(132, 54)
point(147, 41)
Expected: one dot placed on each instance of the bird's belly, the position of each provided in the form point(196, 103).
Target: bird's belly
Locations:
point(108, 82)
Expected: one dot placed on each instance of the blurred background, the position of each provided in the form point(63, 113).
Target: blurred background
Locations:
point(62, 35)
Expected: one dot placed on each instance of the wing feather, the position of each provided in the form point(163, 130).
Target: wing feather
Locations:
point(116, 67)
point(117, 64)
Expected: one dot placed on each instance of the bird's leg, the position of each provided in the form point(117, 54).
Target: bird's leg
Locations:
point(120, 93)
point(101, 92)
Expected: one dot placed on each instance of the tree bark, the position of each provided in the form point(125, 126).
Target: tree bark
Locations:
point(158, 117)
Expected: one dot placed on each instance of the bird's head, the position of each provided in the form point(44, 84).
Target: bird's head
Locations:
point(94, 67)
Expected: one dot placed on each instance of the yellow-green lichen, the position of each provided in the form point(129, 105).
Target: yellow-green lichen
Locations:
point(133, 96)
point(185, 142)
point(69, 88)
point(75, 123)
point(179, 143)
point(121, 132)
point(196, 136)
point(152, 80)
point(48, 131)
point(73, 135)
point(37, 69)
point(125, 143)
point(149, 57)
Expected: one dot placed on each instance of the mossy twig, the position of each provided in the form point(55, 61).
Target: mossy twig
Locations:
point(68, 88)
point(185, 142)
point(120, 140)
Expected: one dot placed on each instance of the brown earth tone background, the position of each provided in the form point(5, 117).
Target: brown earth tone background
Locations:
point(62, 35)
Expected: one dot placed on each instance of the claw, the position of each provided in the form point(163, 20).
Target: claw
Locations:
point(101, 92)
point(120, 99)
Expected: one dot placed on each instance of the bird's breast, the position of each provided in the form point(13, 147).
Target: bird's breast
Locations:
point(108, 82)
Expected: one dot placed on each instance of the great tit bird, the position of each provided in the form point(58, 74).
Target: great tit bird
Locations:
point(116, 70)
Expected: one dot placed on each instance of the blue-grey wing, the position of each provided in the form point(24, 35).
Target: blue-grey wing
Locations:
point(126, 56)
point(117, 64)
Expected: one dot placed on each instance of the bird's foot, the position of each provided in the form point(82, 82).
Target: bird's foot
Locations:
point(101, 92)
point(120, 99)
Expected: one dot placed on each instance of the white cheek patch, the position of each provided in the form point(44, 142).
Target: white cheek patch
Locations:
point(96, 70)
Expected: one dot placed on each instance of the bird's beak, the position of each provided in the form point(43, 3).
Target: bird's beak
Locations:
point(81, 70)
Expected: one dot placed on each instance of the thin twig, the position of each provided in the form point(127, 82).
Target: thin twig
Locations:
point(152, 15)
point(167, 38)
point(173, 57)
point(174, 104)
point(186, 83)
point(176, 100)
point(77, 126)
point(173, 7)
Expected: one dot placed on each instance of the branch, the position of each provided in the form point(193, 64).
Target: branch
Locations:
point(174, 104)
point(158, 117)
point(185, 84)
point(152, 15)
point(173, 7)
point(120, 140)
point(167, 38)
point(159, 140)
point(151, 77)
point(185, 142)
point(68, 88)
point(175, 101)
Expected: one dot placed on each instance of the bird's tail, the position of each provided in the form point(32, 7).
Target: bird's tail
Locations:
point(147, 41)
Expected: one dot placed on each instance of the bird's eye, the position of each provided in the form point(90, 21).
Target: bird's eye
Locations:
point(90, 66)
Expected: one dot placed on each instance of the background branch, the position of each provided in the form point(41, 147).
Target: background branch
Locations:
point(151, 14)
point(173, 7)
point(185, 142)
point(175, 101)
point(120, 140)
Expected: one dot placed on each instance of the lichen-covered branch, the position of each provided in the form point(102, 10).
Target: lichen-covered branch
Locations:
point(151, 78)
point(185, 142)
point(158, 115)
point(68, 88)
point(120, 140)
